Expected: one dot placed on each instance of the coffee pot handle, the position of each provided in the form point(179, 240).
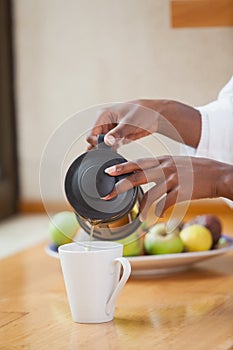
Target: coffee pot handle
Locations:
point(101, 144)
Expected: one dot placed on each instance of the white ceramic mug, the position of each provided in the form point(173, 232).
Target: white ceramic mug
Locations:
point(92, 278)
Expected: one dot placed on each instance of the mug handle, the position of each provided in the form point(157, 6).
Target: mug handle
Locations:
point(126, 273)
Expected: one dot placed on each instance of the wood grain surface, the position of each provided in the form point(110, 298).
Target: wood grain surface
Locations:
point(188, 310)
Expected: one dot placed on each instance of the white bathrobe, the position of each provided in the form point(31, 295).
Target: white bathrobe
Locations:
point(216, 140)
point(217, 127)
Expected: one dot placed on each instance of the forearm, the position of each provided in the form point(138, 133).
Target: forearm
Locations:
point(176, 120)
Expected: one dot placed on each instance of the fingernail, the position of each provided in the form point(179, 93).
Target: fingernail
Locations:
point(110, 140)
point(106, 198)
point(111, 169)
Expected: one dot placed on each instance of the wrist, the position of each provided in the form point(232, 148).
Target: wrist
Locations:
point(156, 109)
point(159, 106)
point(224, 186)
point(175, 120)
point(167, 109)
point(160, 110)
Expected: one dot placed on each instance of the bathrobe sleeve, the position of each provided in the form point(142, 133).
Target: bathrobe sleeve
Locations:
point(216, 140)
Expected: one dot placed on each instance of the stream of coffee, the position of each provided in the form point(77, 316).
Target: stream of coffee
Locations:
point(91, 236)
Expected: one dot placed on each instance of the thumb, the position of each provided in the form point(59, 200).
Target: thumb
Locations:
point(113, 136)
point(119, 133)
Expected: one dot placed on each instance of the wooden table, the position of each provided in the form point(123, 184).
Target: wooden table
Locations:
point(189, 310)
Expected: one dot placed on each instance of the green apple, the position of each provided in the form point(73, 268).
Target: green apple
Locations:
point(134, 212)
point(196, 238)
point(159, 241)
point(133, 244)
point(63, 227)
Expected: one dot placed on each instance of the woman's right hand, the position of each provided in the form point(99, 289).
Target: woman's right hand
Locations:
point(123, 123)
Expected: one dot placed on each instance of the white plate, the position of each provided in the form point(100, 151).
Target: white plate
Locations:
point(166, 263)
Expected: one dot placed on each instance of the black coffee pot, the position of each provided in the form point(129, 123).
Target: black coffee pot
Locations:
point(86, 184)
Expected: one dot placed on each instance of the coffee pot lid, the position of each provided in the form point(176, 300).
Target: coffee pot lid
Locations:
point(86, 183)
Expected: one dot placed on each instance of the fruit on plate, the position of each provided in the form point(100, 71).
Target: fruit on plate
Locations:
point(222, 242)
point(133, 245)
point(211, 222)
point(159, 241)
point(126, 219)
point(196, 238)
point(63, 227)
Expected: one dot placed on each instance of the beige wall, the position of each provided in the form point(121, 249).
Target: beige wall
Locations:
point(73, 54)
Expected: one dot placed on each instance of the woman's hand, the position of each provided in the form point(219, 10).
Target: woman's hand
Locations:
point(178, 178)
point(123, 123)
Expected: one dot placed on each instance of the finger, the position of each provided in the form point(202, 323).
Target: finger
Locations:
point(149, 198)
point(105, 121)
point(90, 147)
point(136, 179)
point(166, 202)
point(121, 186)
point(129, 167)
point(140, 178)
point(95, 130)
point(158, 194)
point(123, 168)
point(121, 132)
point(119, 143)
point(92, 140)
point(111, 195)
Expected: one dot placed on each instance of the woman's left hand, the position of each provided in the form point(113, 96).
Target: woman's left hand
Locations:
point(176, 179)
